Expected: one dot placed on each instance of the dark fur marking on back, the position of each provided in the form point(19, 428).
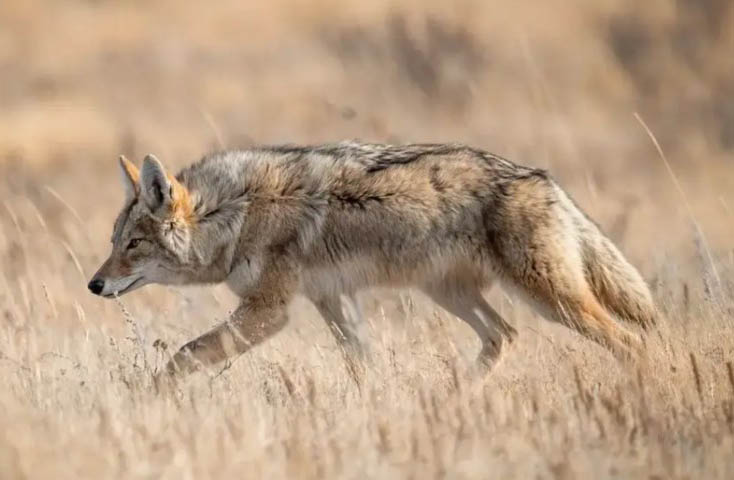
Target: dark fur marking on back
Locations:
point(377, 157)
point(437, 183)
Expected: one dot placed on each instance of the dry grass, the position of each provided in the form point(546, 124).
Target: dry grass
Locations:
point(553, 84)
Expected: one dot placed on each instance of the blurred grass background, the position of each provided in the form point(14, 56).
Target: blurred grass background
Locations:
point(552, 84)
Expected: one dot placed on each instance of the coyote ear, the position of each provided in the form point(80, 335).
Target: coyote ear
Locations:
point(155, 188)
point(130, 178)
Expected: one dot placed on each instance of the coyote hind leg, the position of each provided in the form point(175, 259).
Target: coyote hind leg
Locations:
point(469, 305)
point(343, 329)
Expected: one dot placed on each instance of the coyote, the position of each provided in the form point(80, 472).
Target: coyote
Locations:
point(326, 221)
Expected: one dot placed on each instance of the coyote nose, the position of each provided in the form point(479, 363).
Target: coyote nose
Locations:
point(96, 286)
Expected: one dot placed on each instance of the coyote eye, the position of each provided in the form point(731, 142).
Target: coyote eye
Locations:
point(134, 243)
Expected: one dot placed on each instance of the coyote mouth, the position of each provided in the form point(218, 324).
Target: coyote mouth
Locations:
point(124, 290)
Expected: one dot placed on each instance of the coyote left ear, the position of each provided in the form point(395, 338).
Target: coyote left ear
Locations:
point(130, 178)
point(155, 188)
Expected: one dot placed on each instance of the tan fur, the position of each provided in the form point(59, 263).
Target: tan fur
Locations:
point(327, 221)
point(182, 206)
point(130, 169)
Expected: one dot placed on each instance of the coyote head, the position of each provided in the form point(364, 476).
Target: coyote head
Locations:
point(152, 235)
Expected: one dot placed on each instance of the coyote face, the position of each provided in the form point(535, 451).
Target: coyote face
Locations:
point(151, 235)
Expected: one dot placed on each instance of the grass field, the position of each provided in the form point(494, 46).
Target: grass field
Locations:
point(550, 84)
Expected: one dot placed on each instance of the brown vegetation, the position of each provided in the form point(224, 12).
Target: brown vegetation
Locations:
point(551, 84)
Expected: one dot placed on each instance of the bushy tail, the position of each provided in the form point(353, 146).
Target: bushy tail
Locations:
point(615, 282)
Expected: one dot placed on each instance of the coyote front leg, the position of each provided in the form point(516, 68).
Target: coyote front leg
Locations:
point(247, 327)
point(261, 314)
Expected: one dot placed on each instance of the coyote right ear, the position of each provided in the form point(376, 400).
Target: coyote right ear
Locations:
point(130, 178)
point(155, 187)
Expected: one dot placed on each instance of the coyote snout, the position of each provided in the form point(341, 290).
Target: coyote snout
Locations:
point(96, 286)
point(327, 221)
point(111, 287)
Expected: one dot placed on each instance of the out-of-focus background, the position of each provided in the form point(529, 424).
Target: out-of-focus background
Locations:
point(553, 84)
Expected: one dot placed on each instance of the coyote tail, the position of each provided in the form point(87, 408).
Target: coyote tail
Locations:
point(617, 285)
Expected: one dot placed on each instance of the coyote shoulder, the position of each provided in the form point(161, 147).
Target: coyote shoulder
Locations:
point(326, 221)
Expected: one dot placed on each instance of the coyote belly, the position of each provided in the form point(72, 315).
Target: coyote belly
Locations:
point(327, 221)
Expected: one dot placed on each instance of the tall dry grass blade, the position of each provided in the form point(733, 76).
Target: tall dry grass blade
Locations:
point(287, 382)
point(583, 394)
point(137, 337)
point(66, 204)
point(711, 286)
point(21, 239)
point(213, 125)
point(13, 217)
point(696, 376)
point(50, 301)
point(684, 199)
point(37, 213)
point(644, 405)
point(74, 259)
